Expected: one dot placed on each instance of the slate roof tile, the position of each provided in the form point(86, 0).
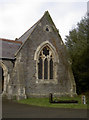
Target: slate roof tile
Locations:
point(8, 48)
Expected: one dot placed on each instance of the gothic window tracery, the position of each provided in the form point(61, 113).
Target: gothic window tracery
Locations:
point(45, 64)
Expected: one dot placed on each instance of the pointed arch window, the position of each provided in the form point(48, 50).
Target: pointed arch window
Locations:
point(45, 64)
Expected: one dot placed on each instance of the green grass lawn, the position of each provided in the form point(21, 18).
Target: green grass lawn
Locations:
point(44, 102)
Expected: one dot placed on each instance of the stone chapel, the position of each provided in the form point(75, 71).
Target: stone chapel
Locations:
point(36, 64)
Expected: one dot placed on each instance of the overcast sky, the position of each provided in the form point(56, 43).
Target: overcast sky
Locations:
point(17, 16)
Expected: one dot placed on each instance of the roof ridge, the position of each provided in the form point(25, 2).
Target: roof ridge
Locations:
point(3, 39)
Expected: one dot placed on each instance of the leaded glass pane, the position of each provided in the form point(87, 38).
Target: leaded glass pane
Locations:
point(40, 68)
point(51, 69)
point(45, 51)
point(46, 69)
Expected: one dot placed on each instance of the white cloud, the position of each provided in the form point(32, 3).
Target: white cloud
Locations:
point(17, 16)
point(65, 14)
point(69, 20)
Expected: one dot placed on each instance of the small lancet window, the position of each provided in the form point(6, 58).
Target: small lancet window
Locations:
point(45, 64)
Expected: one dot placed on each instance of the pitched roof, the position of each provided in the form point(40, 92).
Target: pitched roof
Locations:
point(11, 48)
point(24, 37)
point(8, 48)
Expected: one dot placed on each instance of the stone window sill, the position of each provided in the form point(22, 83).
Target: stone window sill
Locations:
point(46, 81)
